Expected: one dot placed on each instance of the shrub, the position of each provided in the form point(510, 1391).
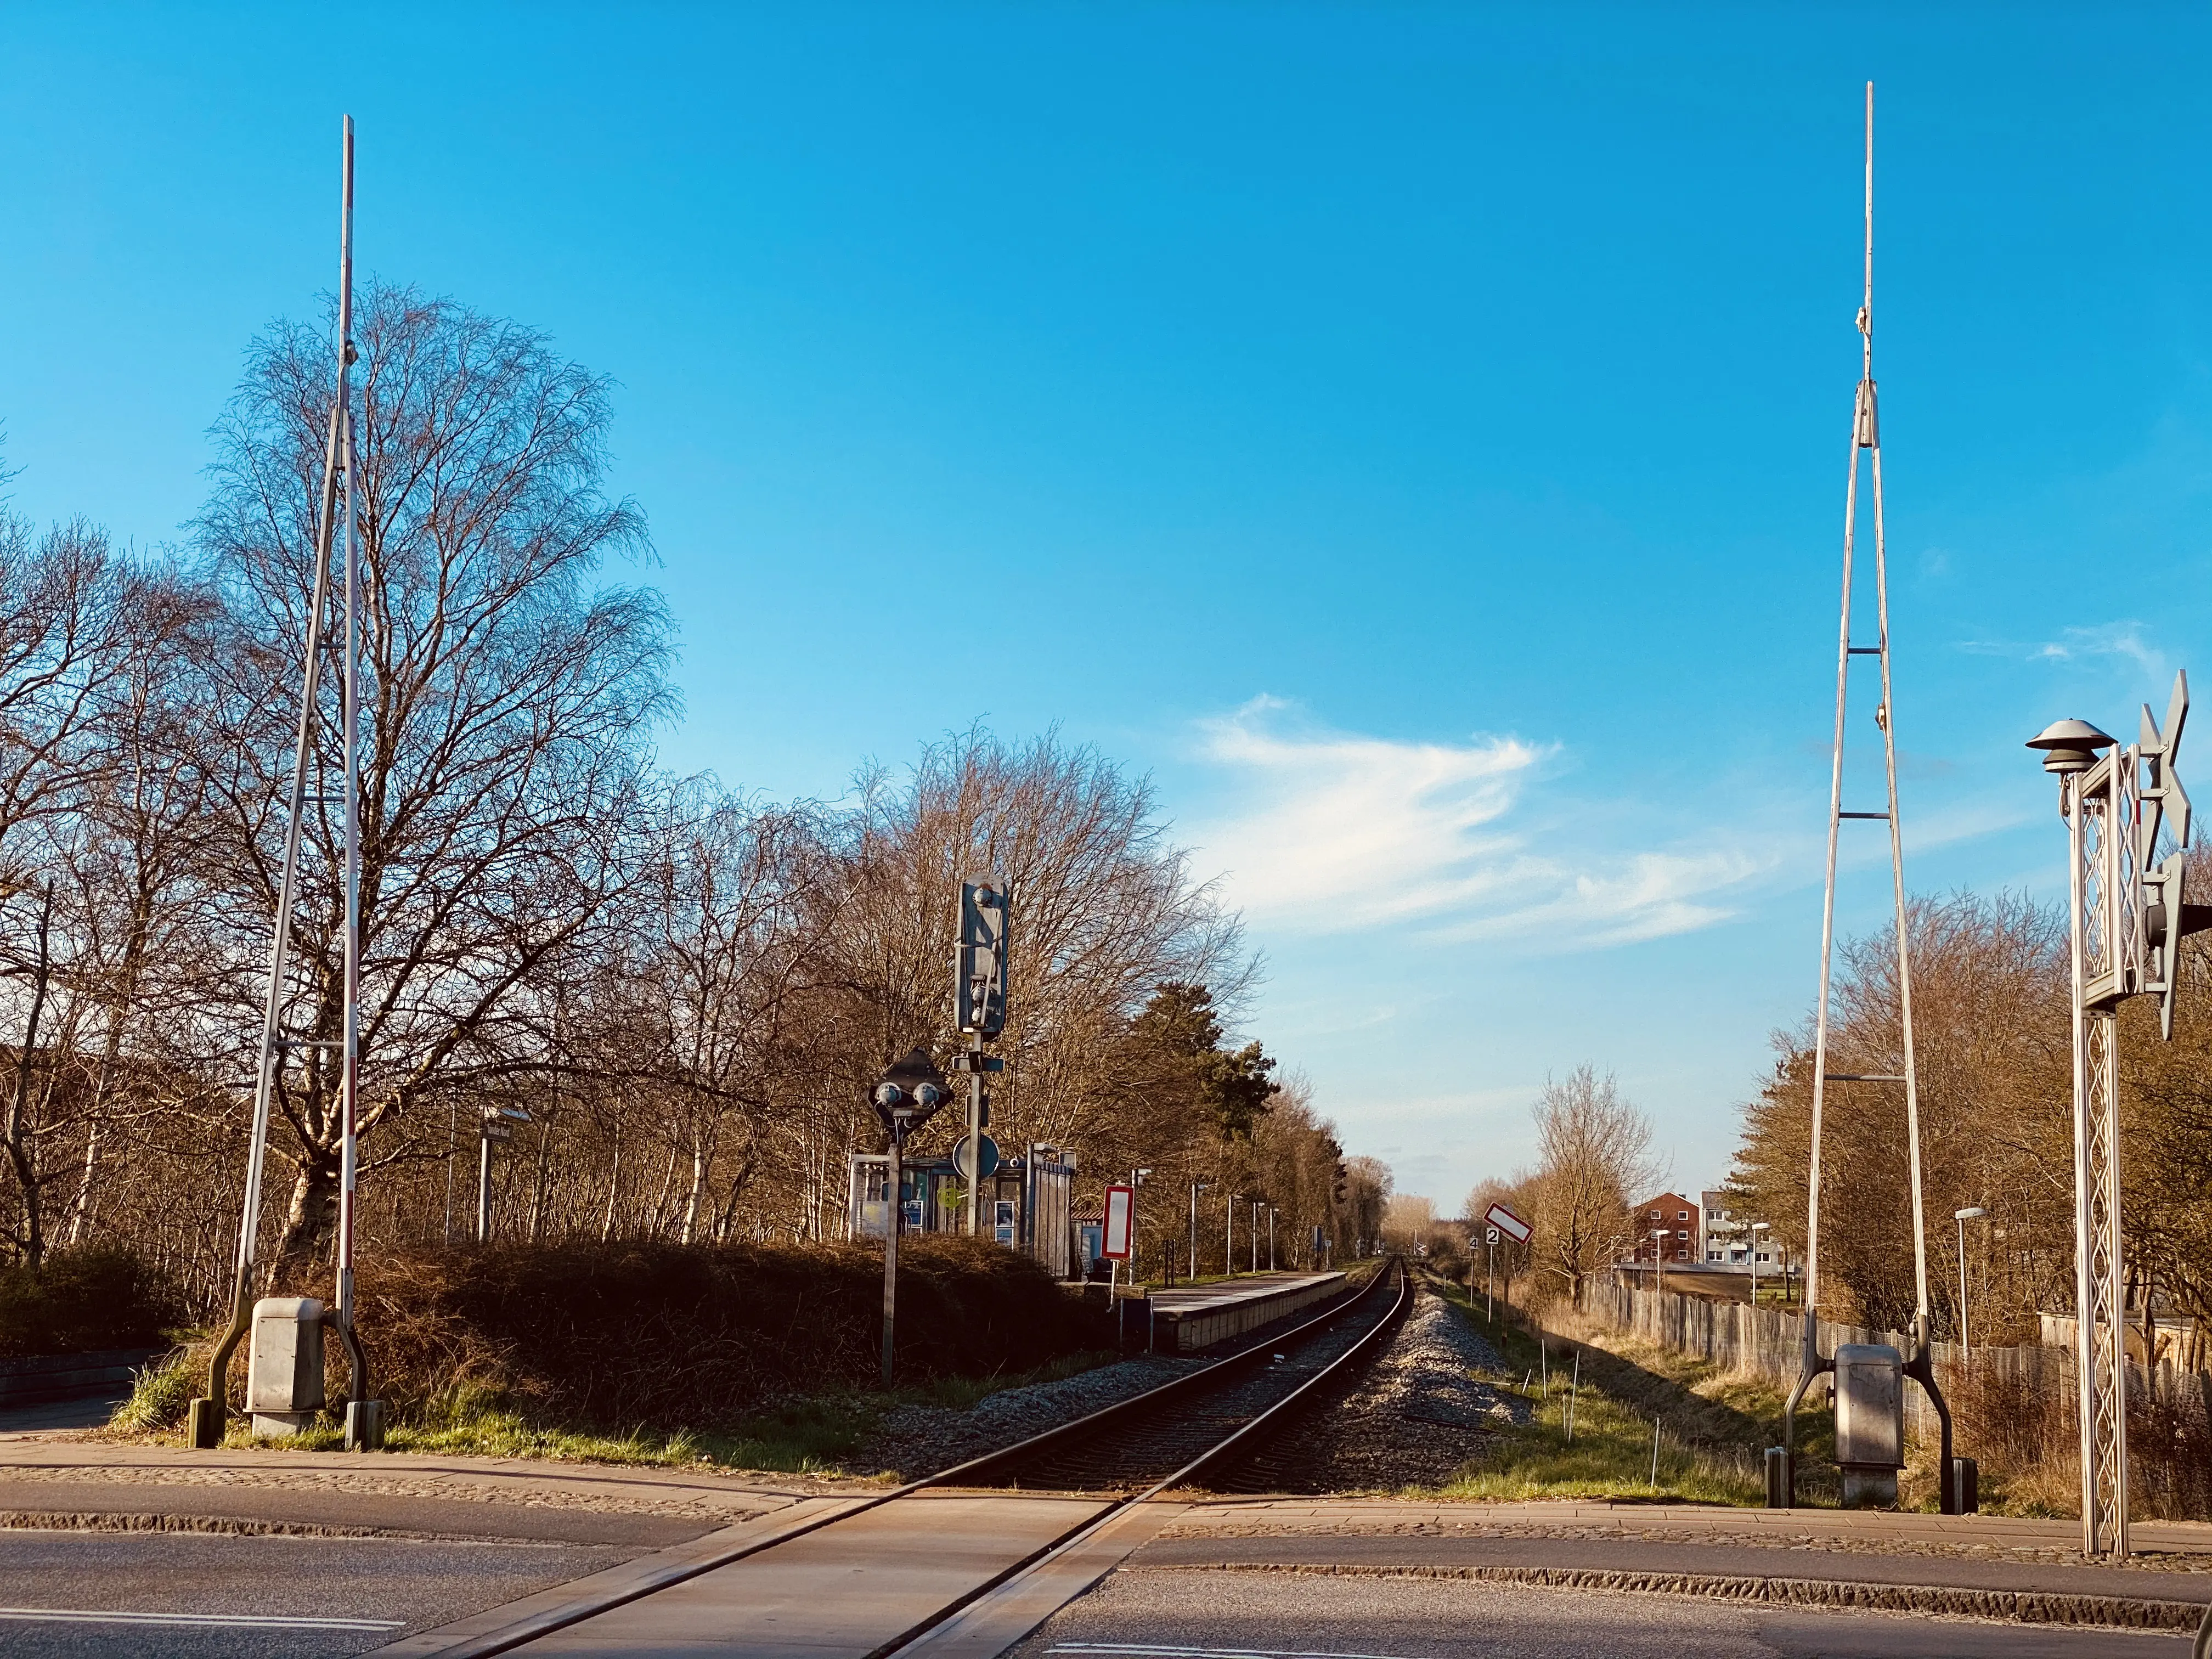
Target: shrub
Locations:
point(624, 1334)
point(93, 1296)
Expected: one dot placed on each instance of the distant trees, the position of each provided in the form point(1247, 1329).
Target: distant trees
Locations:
point(1594, 1160)
point(687, 990)
point(1408, 1222)
point(1990, 1005)
point(1369, 1184)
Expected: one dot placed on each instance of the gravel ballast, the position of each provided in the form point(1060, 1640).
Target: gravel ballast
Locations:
point(918, 1440)
point(1414, 1418)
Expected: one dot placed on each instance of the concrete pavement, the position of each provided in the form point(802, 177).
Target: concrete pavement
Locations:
point(490, 1541)
point(1155, 1614)
point(64, 1480)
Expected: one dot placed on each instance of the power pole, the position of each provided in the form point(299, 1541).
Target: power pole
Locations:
point(364, 1427)
point(1866, 435)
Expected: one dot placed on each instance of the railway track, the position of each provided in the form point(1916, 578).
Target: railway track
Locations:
point(996, 1538)
point(1202, 1427)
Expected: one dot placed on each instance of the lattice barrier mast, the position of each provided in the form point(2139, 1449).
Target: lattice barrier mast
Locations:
point(324, 632)
point(1866, 439)
point(2129, 915)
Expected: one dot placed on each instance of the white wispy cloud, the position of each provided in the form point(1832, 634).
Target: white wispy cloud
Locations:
point(1338, 832)
point(2123, 640)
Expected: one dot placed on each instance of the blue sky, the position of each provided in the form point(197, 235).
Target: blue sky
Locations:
point(1415, 435)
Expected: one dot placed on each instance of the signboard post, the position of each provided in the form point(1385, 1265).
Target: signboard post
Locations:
point(1120, 1209)
point(1490, 1287)
point(1500, 1220)
point(1117, 1234)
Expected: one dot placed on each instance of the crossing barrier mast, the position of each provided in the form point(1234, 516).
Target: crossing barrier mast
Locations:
point(2127, 915)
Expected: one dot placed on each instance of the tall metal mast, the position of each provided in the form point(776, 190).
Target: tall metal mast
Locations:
point(1866, 435)
point(362, 1427)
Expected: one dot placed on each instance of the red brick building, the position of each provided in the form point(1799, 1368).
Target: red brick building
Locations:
point(1677, 1217)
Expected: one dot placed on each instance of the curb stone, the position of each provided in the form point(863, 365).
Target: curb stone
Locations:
point(2011, 1607)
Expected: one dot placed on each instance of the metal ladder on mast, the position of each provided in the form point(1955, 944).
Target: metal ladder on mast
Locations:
point(363, 1425)
point(1866, 437)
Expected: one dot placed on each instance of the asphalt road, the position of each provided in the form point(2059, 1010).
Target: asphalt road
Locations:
point(1187, 1614)
point(197, 1596)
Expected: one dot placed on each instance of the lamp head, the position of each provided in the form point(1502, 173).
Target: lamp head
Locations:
point(1973, 1214)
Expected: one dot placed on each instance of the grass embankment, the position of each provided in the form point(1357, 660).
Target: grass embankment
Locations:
point(806, 1434)
point(1713, 1425)
point(756, 1356)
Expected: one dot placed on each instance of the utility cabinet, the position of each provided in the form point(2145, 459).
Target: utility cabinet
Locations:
point(1869, 1423)
point(284, 1372)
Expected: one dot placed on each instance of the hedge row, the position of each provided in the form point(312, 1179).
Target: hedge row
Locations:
point(617, 1334)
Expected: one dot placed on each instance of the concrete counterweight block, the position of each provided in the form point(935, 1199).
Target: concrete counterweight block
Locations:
point(284, 1375)
point(1869, 1423)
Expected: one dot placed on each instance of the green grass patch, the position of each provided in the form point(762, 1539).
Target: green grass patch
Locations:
point(1713, 1425)
point(810, 1434)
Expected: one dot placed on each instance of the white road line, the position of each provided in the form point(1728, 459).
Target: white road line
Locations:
point(1141, 1651)
point(227, 1621)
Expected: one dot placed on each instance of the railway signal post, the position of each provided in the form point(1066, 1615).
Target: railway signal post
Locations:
point(906, 1097)
point(979, 995)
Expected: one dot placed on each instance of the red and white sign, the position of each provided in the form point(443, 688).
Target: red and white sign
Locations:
point(1509, 1223)
point(1120, 1222)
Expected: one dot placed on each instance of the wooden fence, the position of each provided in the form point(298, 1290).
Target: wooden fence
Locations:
point(1770, 1342)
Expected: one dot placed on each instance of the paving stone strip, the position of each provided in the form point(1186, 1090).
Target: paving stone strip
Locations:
point(108, 1521)
point(1847, 1544)
point(2015, 1606)
point(29, 1474)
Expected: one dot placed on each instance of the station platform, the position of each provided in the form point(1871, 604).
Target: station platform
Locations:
point(1184, 1321)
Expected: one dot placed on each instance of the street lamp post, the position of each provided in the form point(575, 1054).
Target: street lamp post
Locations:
point(1196, 1188)
point(1136, 1186)
point(1962, 1217)
point(1271, 1238)
point(1229, 1241)
point(1757, 1227)
point(1659, 1257)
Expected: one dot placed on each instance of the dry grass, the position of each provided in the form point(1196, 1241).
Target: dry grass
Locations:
point(633, 1341)
point(1714, 1425)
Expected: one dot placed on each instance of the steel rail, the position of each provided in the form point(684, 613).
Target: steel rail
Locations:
point(1140, 1405)
point(532, 1629)
point(1211, 1458)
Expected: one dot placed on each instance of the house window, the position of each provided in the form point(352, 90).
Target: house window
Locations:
point(1681, 1215)
point(1656, 1216)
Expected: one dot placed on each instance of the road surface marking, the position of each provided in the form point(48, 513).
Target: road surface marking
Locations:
point(235, 1621)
